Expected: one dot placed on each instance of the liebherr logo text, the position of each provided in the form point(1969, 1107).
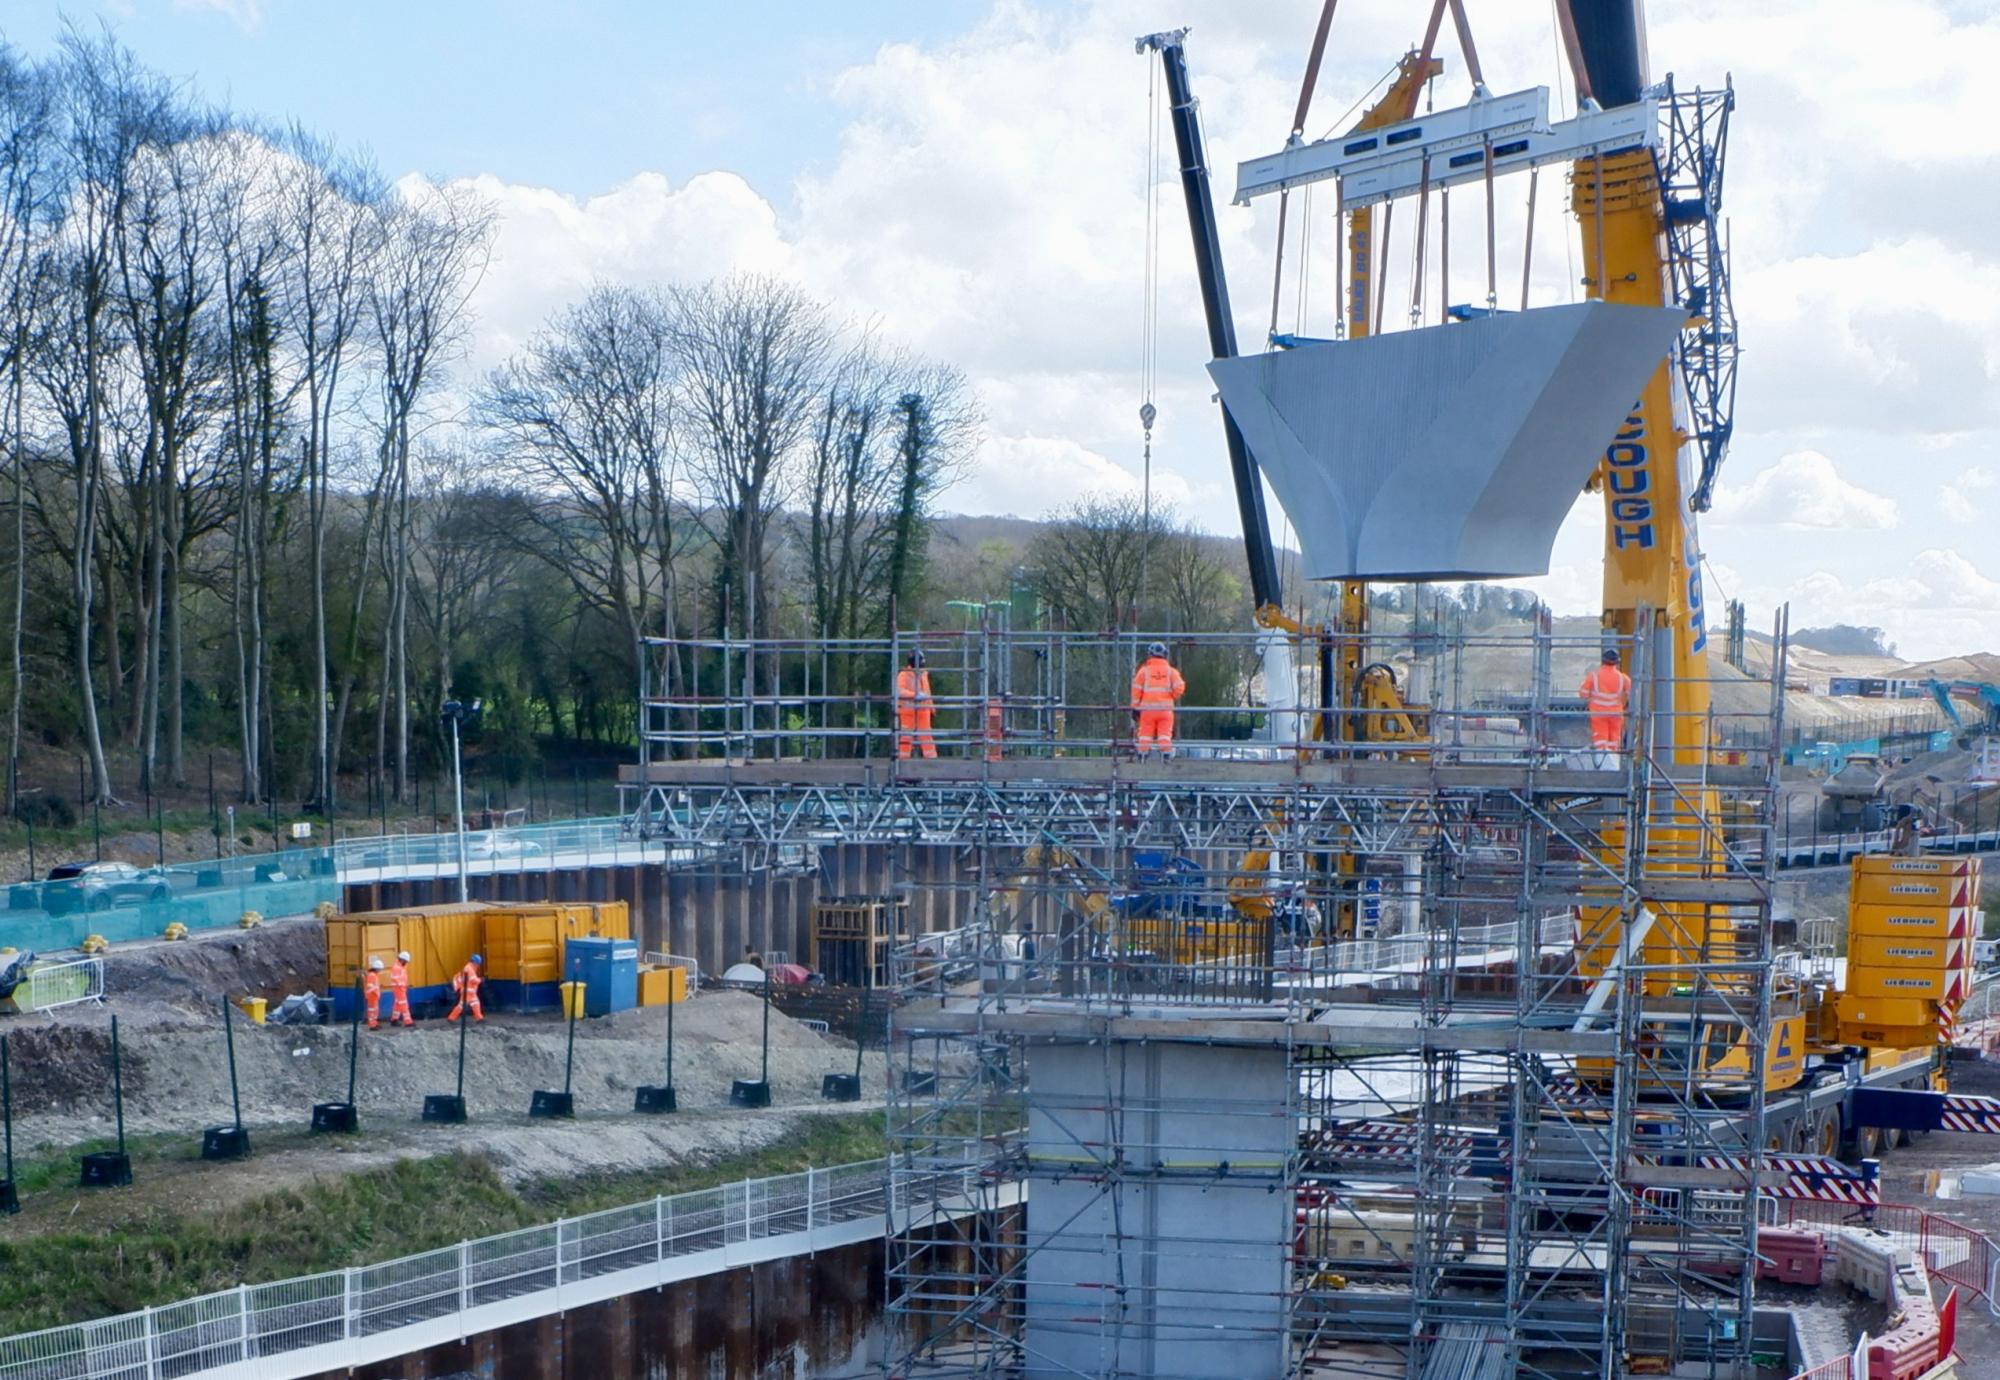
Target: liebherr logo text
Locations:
point(1629, 477)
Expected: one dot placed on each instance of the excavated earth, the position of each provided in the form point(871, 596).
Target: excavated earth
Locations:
point(175, 1071)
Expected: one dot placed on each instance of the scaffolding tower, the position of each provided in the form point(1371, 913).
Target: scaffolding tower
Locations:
point(1295, 1056)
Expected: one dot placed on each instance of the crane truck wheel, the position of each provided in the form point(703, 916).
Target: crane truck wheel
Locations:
point(1826, 1134)
point(1870, 1142)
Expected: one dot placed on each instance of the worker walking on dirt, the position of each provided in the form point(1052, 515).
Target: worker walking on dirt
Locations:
point(399, 988)
point(1156, 688)
point(466, 984)
point(1606, 693)
point(914, 709)
point(371, 990)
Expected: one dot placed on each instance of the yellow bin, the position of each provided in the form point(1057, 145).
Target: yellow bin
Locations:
point(253, 1007)
point(572, 1001)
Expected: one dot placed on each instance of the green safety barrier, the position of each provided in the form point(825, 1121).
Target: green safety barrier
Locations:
point(50, 916)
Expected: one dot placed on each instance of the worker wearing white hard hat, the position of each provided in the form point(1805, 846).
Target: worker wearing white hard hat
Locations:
point(371, 991)
point(399, 988)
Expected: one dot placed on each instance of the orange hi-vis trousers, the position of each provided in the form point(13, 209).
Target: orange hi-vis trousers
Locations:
point(371, 996)
point(468, 996)
point(1156, 730)
point(914, 712)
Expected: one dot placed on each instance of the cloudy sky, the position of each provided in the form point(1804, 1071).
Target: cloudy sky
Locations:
point(972, 177)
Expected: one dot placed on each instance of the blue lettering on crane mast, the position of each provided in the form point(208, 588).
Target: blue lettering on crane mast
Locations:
point(1697, 614)
point(1628, 476)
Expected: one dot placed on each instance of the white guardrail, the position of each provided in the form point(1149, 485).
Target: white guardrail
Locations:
point(359, 1316)
point(50, 985)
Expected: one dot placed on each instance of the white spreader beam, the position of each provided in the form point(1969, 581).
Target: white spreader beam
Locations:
point(1448, 147)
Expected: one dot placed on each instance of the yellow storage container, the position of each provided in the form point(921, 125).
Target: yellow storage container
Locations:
point(608, 920)
point(659, 986)
point(439, 940)
point(1906, 889)
point(253, 1007)
point(351, 940)
point(524, 943)
point(572, 1001)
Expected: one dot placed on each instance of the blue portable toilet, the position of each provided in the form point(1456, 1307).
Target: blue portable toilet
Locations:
point(609, 972)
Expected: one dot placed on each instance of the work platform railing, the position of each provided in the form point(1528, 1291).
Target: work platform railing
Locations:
point(342, 1318)
point(998, 695)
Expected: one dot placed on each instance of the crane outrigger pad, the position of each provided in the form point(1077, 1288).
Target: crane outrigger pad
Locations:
point(1449, 452)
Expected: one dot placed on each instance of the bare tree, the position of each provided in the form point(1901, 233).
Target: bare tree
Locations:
point(582, 418)
point(108, 107)
point(251, 253)
point(166, 271)
point(25, 127)
point(1089, 563)
point(434, 252)
point(327, 212)
point(754, 355)
point(889, 435)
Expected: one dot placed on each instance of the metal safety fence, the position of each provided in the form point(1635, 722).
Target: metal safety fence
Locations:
point(256, 1322)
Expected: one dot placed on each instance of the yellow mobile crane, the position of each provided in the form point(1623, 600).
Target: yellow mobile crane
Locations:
point(1648, 208)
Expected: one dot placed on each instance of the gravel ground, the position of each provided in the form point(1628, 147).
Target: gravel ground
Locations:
point(1925, 1174)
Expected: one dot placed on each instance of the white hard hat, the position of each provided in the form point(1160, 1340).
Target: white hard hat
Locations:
point(403, 957)
point(376, 964)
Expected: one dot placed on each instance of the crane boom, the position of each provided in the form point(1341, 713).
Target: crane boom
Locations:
point(1265, 591)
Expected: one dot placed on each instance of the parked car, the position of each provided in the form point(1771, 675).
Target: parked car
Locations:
point(492, 844)
point(102, 885)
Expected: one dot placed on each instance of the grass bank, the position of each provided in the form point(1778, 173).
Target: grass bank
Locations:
point(163, 1254)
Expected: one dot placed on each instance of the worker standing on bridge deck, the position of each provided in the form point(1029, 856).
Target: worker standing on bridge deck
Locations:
point(914, 710)
point(399, 988)
point(1606, 693)
point(466, 984)
point(1156, 687)
point(371, 991)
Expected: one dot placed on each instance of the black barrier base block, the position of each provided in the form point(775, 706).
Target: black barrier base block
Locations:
point(107, 1169)
point(225, 1143)
point(645, 1099)
point(336, 1116)
point(446, 1108)
point(919, 1081)
point(10, 1201)
point(552, 1104)
point(750, 1092)
point(840, 1087)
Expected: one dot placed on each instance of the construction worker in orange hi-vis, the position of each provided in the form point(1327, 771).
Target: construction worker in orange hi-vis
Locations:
point(914, 710)
point(399, 988)
point(466, 984)
point(1156, 686)
point(371, 990)
point(1606, 692)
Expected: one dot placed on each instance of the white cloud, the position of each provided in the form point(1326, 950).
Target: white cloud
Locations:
point(1805, 490)
point(548, 249)
point(1939, 604)
point(987, 204)
point(247, 14)
point(1956, 499)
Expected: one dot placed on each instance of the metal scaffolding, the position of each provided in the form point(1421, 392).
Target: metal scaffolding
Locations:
point(1294, 1055)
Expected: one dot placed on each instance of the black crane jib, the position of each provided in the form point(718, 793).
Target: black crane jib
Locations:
point(1264, 588)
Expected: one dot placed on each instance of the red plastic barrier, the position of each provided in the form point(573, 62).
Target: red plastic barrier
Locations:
point(1903, 1357)
point(1791, 1256)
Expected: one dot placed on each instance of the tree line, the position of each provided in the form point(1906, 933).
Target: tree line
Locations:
point(255, 498)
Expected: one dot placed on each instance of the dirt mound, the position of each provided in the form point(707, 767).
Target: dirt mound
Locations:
point(65, 1068)
point(273, 962)
point(176, 1068)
